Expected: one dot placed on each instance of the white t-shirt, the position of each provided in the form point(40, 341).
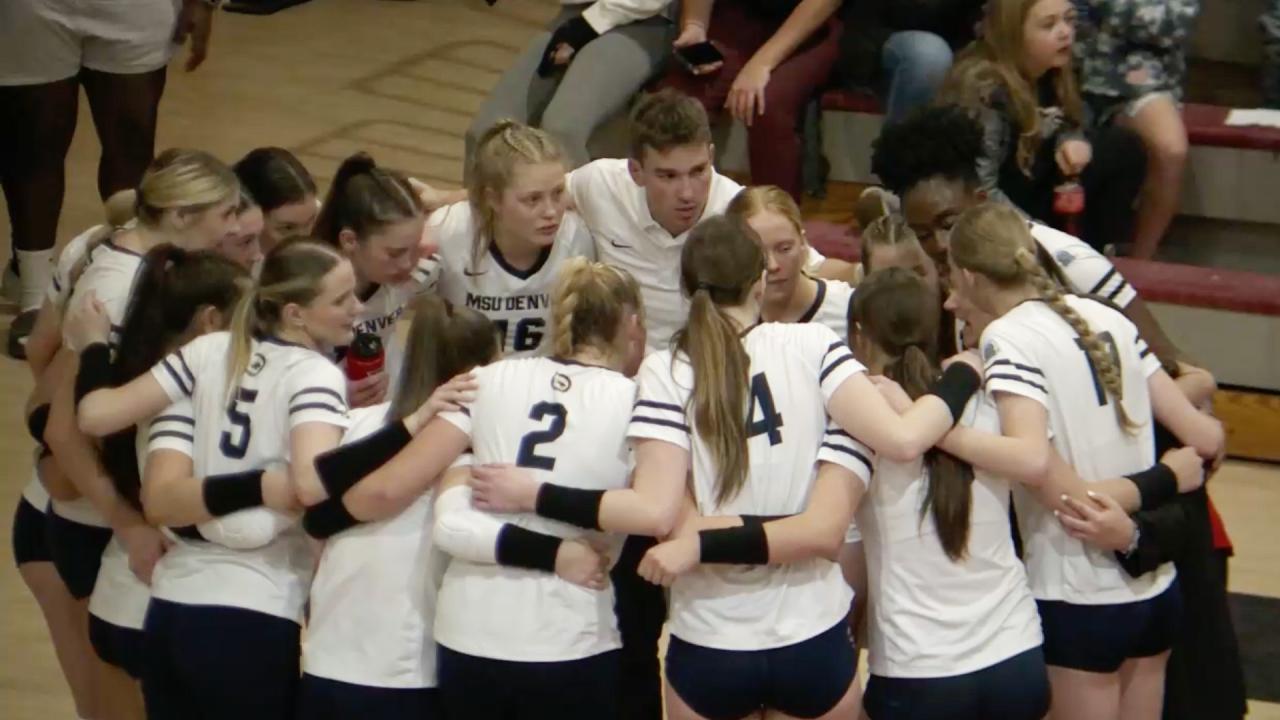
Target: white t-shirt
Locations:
point(1032, 352)
point(1089, 271)
point(285, 386)
point(567, 423)
point(517, 301)
point(795, 370)
point(627, 237)
point(930, 616)
point(373, 601)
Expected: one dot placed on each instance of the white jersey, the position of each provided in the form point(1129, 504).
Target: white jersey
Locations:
point(567, 424)
point(626, 236)
point(930, 616)
point(795, 370)
point(119, 597)
point(831, 307)
point(70, 255)
point(389, 566)
point(285, 386)
point(517, 301)
point(1032, 352)
point(384, 305)
point(109, 274)
point(1088, 271)
point(35, 493)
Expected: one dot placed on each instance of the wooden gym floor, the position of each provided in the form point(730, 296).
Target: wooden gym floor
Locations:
point(400, 80)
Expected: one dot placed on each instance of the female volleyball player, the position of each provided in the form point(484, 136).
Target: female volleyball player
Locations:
point(285, 191)
point(222, 631)
point(501, 249)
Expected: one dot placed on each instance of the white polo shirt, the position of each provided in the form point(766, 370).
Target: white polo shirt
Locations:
point(627, 237)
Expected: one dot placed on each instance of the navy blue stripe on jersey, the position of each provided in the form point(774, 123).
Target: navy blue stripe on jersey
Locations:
point(1015, 378)
point(1115, 293)
point(835, 364)
point(173, 418)
point(323, 391)
point(316, 406)
point(177, 378)
point(465, 411)
point(850, 452)
point(173, 434)
point(1103, 282)
point(837, 432)
point(660, 406)
point(658, 421)
point(1020, 366)
point(57, 286)
point(186, 369)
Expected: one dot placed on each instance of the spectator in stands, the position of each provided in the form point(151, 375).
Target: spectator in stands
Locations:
point(902, 49)
point(1271, 61)
point(777, 54)
point(1017, 80)
point(1133, 63)
point(593, 58)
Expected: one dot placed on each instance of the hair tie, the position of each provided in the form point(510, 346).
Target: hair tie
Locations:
point(702, 285)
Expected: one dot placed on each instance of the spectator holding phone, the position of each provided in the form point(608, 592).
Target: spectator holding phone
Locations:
point(586, 67)
point(775, 55)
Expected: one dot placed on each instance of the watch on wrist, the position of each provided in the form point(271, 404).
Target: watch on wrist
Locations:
point(1133, 544)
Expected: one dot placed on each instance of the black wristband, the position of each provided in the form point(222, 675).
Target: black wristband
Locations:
point(37, 421)
point(231, 492)
point(520, 547)
point(572, 505)
point(958, 383)
point(327, 519)
point(344, 466)
point(760, 519)
point(575, 32)
point(1157, 485)
point(744, 545)
point(95, 370)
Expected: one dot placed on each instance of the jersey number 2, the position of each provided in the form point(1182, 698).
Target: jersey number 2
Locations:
point(528, 455)
point(770, 422)
point(1110, 344)
point(236, 447)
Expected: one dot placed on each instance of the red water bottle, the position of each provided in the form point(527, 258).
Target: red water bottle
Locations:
point(1068, 205)
point(365, 357)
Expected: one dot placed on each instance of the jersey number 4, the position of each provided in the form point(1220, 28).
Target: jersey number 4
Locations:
point(235, 442)
point(770, 421)
point(528, 455)
point(1110, 344)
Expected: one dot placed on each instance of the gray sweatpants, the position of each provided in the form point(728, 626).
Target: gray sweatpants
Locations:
point(600, 80)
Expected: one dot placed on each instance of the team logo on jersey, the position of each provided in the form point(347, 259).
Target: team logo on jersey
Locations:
point(560, 382)
point(256, 363)
point(1064, 257)
point(989, 351)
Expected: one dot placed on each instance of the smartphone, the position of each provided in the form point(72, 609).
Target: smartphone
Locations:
point(698, 55)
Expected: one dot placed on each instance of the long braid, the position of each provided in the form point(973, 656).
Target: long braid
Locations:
point(571, 277)
point(1103, 361)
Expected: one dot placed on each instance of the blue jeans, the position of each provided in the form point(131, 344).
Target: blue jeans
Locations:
point(914, 64)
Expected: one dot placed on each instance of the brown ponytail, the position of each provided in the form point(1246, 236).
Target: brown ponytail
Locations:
point(444, 341)
point(363, 198)
point(898, 313)
point(721, 262)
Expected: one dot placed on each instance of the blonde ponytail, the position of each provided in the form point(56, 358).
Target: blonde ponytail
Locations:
point(588, 304)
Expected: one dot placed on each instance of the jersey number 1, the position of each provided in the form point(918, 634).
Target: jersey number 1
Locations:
point(1110, 344)
point(770, 422)
point(528, 455)
point(236, 447)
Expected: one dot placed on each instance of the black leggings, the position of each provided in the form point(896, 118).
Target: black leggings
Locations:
point(210, 662)
point(1111, 181)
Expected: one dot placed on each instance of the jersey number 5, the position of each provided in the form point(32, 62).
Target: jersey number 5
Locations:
point(236, 447)
point(1110, 344)
point(770, 421)
point(528, 455)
